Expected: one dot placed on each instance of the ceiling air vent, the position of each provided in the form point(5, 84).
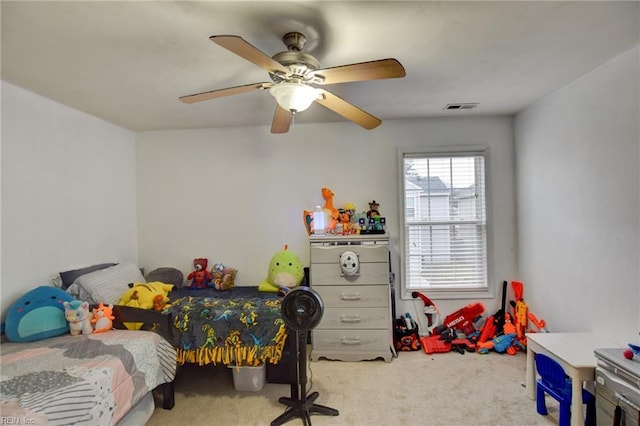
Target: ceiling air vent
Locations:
point(460, 106)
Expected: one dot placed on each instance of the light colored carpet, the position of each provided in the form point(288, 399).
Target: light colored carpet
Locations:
point(413, 389)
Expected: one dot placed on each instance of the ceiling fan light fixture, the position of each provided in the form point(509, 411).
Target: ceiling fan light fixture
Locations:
point(294, 97)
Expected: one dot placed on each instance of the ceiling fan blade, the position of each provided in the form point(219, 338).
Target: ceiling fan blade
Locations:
point(281, 120)
point(374, 70)
point(246, 50)
point(237, 90)
point(347, 110)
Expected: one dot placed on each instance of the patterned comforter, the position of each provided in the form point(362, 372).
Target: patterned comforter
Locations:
point(89, 379)
point(240, 326)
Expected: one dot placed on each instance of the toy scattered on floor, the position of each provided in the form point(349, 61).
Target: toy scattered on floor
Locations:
point(520, 310)
point(200, 276)
point(223, 277)
point(78, 315)
point(102, 318)
point(506, 342)
point(463, 319)
point(285, 271)
point(456, 332)
point(406, 334)
point(541, 325)
point(463, 330)
point(430, 311)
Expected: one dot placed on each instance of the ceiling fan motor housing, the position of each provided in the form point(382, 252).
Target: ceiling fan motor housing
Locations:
point(300, 64)
point(294, 40)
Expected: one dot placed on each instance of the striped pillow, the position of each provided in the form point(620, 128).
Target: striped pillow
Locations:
point(106, 285)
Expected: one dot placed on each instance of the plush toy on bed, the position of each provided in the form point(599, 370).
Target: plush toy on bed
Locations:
point(201, 276)
point(37, 315)
point(147, 295)
point(285, 272)
point(79, 316)
point(223, 277)
point(102, 318)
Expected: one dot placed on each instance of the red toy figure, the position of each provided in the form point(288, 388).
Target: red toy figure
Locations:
point(201, 277)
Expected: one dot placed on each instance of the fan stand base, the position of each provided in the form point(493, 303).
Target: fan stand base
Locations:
point(302, 408)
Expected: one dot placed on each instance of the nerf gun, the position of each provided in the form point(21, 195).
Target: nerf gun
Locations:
point(520, 309)
point(462, 319)
point(430, 311)
point(540, 324)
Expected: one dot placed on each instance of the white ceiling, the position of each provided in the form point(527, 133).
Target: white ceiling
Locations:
point(128, 62)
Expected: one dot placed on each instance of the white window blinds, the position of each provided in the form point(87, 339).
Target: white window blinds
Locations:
point(445, 229)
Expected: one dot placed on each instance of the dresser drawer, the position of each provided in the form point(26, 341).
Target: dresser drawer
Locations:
point(355, 318)
point(364, 296)
point(351, 340)
point(365, 252)
point(331, 274)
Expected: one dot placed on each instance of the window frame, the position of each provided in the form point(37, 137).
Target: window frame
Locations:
point(447, 151)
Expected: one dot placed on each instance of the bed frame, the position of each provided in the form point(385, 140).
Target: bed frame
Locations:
point(151, 321)
point(284, 372)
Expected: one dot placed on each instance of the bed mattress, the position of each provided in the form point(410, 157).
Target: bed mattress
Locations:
point(88, 379)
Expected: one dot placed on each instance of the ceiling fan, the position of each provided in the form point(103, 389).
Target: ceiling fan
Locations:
point(294, 74)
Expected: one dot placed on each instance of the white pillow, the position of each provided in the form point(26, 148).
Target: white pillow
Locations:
point(106, 285)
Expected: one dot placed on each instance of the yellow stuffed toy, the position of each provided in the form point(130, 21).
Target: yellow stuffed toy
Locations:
point(147, 295)
point(151, 295)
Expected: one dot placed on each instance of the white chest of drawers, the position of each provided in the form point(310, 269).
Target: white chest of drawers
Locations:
point(356, 324)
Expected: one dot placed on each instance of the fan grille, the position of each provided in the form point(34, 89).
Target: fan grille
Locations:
point(302, 309)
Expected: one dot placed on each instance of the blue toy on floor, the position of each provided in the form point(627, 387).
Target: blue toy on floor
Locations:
point(554, 381)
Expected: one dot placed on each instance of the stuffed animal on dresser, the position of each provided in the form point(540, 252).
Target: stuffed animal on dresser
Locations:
point(200, 276)
point(102, 318)
point(79, 316)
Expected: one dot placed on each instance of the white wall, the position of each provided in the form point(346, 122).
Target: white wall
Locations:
point(237, 195)
point(68, 191)
point(578, 192)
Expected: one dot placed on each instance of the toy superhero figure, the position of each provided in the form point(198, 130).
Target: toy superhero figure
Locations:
point(201, 277)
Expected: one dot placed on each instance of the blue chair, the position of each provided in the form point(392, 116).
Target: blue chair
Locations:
point(554, 381)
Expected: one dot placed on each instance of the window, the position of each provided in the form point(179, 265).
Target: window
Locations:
point(444, 235)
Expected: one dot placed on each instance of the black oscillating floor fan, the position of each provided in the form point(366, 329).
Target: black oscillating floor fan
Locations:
point(302, 310)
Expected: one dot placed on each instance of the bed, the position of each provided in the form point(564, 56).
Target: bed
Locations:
point(98, 379)
point(240, 326)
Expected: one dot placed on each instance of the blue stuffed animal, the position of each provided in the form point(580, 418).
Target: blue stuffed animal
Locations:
point(38, 314)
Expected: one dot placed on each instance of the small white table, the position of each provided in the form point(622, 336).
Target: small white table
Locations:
point(574, 351)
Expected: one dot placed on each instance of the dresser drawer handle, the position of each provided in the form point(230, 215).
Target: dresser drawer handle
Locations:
point(355, 274)
point(350, 318)
point(350, 296)
point(355, 341)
